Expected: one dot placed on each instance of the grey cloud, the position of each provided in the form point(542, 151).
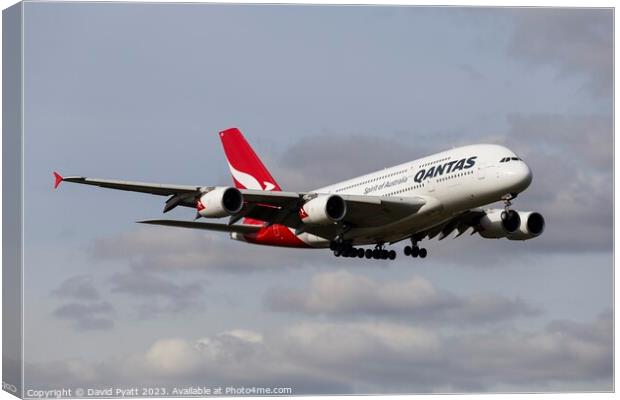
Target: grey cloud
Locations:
point(84, 309)
point(158, 295)
point(582, 141)
point(369, 358)
point(559, 352)
point(323, 159)
point(342, 293)
point(575, 40)
point(79, 287)
point(409, 359)
point(87, 316)
point(171, 250)
point(471, 71)
point(572, 161)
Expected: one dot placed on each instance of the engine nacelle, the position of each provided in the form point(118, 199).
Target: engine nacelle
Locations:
point(220, 202)
point(532, 225)
point(498, 223)
point(323, 210)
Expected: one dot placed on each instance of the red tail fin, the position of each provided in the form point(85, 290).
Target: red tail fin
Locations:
point(246, 168)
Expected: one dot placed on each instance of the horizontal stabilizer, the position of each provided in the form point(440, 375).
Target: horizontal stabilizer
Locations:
point(241, 228)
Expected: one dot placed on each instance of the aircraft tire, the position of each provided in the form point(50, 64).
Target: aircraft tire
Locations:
point(415, 251)
point(423, 253)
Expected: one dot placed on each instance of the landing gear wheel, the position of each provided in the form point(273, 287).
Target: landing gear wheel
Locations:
point(415, 251)
point(423, 253)
point(360, 253)
point(368, 254)
point(384, 254)
point(376, 253)
point(391, 254)
point(337, 253)
point(407, 250)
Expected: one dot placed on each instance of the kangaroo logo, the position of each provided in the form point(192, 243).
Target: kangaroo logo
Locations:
point(248, 181)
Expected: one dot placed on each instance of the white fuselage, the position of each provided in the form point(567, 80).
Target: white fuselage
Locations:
point(452, 182)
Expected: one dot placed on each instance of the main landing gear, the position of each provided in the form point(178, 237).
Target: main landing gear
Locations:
point(347, 250)
point(415, 251)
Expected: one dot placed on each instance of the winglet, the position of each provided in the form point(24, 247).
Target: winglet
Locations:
point(57, 179)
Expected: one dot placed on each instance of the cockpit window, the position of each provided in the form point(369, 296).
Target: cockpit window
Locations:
point(506, 159)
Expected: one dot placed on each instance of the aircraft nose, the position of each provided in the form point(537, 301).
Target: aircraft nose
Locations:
point(519, 176)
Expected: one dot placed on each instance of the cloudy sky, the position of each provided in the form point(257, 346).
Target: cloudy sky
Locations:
point(139, 92)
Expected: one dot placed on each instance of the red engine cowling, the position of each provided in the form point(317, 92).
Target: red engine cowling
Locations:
point(498, 223)
point(220, 202)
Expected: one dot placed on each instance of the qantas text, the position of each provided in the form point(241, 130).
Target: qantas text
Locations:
point(456, 165)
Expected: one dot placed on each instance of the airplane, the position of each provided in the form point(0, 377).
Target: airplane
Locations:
point(429, 197)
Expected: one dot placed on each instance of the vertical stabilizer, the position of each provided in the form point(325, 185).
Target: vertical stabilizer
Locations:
point(247, 169)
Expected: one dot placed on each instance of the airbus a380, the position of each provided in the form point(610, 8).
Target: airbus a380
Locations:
point(433, 196)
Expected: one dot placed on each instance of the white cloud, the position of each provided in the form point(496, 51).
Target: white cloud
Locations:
point(172, 357)
point(364, 357)
point(342, 293)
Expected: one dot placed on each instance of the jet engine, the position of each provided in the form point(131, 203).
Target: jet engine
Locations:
point(532, 225)
point(498, 223)
point(220, 202)
point(323, 210)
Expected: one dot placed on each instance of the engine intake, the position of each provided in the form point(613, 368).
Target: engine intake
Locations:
point(323, 210)
point(532, 225)
point(220, 202)
point(498, 223)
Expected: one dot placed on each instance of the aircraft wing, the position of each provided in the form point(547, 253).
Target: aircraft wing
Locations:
point(283, 208)
point(142, 187)
point(272, 207)
point(239, 228)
